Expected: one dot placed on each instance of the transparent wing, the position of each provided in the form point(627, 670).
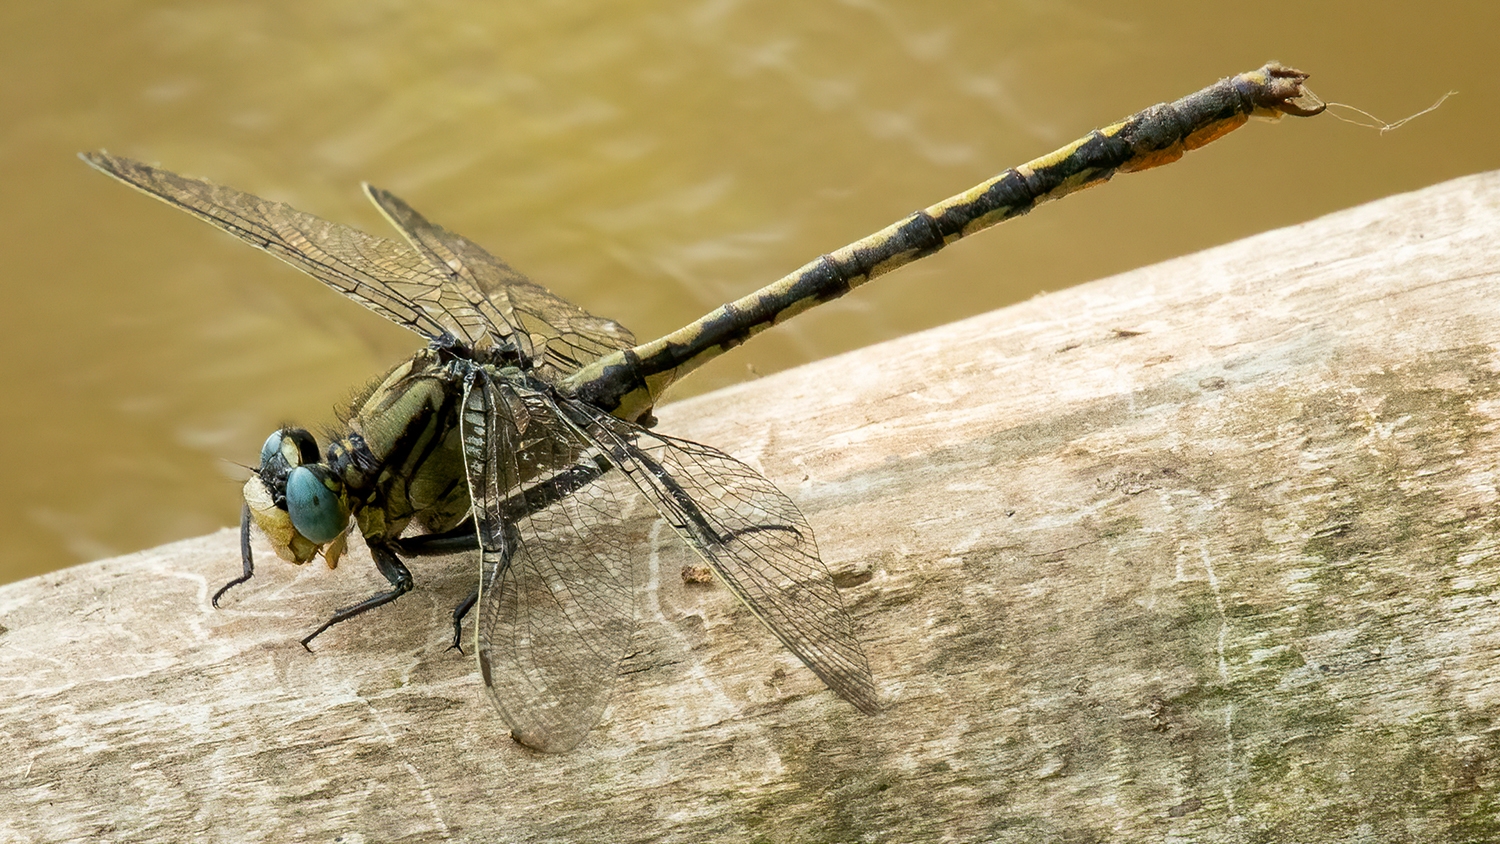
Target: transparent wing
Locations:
point(755, 540)
point(387, 277)
point(556, 606)
point(560, 337)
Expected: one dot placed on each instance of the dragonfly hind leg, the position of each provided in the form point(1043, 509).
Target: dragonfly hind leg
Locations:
point(459, 613)
point(394, 571)
point(696, 521)
point(453, 541)
point(512, 541)
point(459, 539)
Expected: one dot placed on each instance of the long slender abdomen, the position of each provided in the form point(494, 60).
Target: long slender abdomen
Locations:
point(628, 383)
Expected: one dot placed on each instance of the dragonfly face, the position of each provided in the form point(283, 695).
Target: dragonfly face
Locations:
point(294, 499)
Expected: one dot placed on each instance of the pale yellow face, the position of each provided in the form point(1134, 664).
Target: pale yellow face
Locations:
point(276, 524)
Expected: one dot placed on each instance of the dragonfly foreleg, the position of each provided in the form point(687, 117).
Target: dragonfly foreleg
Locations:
point(245, 556)
point(394, 571)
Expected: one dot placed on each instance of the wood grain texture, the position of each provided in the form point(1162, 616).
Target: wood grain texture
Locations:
point(1203, 552)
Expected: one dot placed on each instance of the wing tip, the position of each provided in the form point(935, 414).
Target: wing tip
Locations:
point(101, 160)
point(867, 701)
point(543, 741)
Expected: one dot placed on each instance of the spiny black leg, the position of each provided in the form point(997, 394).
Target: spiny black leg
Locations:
point(245, 556)
point(459, 612)
point(540, 496)
point(511, 541)
point(465, 537)
point(459, 539)
point(390, 565)
point(456, 540)
point(736, 534)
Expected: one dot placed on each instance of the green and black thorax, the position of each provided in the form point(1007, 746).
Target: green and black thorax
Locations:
point(401, 459)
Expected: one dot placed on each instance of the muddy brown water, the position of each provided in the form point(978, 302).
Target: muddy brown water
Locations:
point(648, 161)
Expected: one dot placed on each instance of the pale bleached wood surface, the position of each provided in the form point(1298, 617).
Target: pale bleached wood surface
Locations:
point(1202, 552)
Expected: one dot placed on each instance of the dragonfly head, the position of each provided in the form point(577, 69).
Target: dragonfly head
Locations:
point(296, 500)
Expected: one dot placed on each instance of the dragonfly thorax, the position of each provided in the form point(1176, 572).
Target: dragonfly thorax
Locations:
point(399, 462)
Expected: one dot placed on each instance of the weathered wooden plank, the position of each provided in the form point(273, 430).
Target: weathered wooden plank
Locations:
point(1200, 552)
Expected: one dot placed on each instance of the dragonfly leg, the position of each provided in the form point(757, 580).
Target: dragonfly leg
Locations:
point(245, 556)
point(455, 540)
point(459, 613)
point(400, 579)
point(451, 541)
point(465, 537)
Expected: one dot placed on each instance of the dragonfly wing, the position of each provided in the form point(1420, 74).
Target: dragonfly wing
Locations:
point(387, 277)
point(459, 296)
point(753, 537)
point(558, 336)
point(556, 606)
point(572, 336)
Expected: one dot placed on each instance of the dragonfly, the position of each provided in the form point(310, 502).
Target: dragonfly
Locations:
point(524, 427)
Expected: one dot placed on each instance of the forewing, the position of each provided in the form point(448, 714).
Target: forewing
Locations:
point(387, 277)
point(556, 606)
point(557, 335)
point(754, 538)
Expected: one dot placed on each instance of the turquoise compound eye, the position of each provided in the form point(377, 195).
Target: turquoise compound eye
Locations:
point(315, 500)
point(271, 448)
point(293, 446)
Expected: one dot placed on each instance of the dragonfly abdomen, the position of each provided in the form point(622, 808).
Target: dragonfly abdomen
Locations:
point(627, 383)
